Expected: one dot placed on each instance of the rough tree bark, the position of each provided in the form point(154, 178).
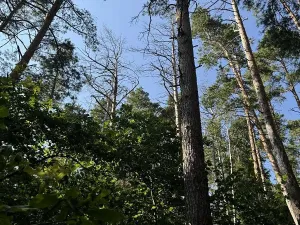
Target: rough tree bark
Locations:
point(194, 169)
point(291, 188)
point(22, 64)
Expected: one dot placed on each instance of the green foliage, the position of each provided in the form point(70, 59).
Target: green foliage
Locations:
point(216, 37)
point(61, 76)
point(3, 112)
point(60, 165)
point(42, 201)
point(252, 204)
point(282, 41)
point(105, 215)
point(139, 101)
point(223, 95)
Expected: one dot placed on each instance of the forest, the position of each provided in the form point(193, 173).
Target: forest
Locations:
point(195, 121)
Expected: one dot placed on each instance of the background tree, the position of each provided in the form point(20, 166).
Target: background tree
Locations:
point(108, 71)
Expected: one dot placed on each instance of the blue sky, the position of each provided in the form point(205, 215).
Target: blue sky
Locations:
point(117, 15)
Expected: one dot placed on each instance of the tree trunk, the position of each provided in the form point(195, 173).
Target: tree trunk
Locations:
point(291, 186)
point(22, 64)
point(236, 70)
point(115, 86)
point(175, 83)
point(291, 85)
point(108, 109)
point(221, 161)
point(11, 15)
point(291, 14)
point(54, 82)
point(231, 172)
point(257, 171)
point(259, 160)
point(295, 94)
point(194, 168)
point(258, 166)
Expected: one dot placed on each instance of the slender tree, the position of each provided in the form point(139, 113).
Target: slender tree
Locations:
point(22, 64)
point(222, 39)
point(108, 72)
point(175, 81)
point(290, 185)
point(12, 13)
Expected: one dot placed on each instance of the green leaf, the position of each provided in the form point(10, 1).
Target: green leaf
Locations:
point(29, 170)
point(60, 175)
point(62, 215)
point(3, 111)
point(104, 193)
point(72, 192)
point(105, 215)
point(85, 221)
point(2, 125)
point(2, 162)
point(5, 220)
point(42, 201)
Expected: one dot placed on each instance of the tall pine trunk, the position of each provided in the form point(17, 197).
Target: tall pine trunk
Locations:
point(290, 185)
point(194, 169)
point(22, 64)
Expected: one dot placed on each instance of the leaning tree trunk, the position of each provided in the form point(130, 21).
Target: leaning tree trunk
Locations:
point(22, 64)
point(175, 83)
point(194, 168)
point(291, 189)
point(295, 94)
point(258, 167)
point(291, 13)
point(291, 85)
point(8, 19)
point(246, 107)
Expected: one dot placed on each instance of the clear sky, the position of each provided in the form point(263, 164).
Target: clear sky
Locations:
point(117, 15)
